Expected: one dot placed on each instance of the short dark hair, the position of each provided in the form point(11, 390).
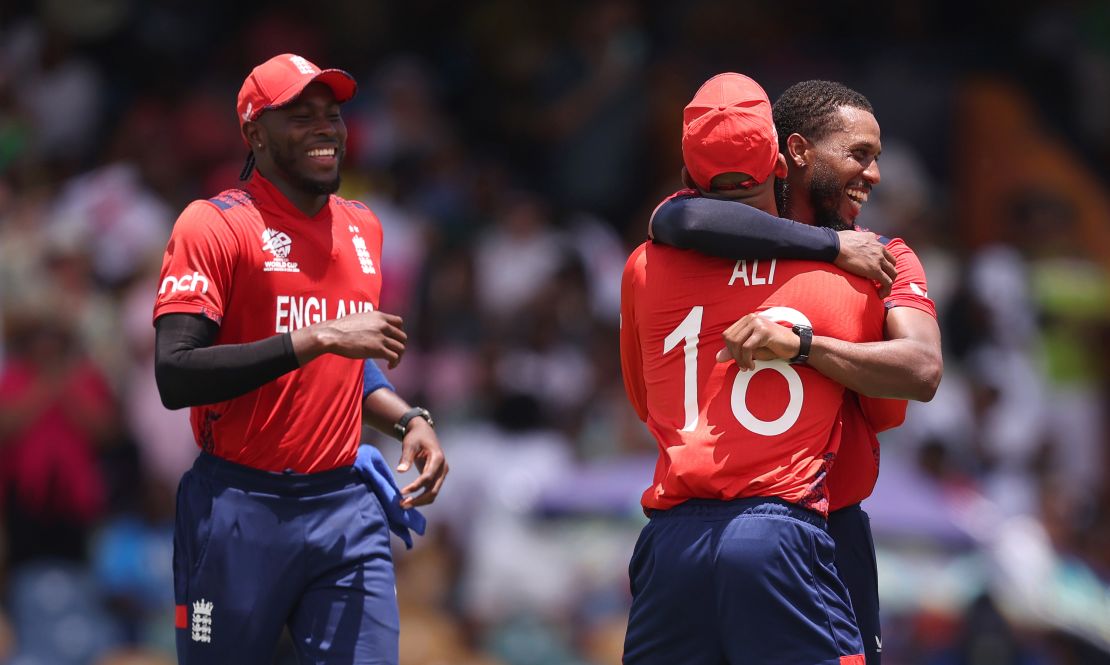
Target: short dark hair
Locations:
point(810, 108)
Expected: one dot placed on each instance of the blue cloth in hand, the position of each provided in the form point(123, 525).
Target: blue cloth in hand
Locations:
point(373, 468)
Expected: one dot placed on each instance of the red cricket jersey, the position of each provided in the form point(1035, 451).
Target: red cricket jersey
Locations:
point(853, 477)
point(725, 434)
point(256, 265)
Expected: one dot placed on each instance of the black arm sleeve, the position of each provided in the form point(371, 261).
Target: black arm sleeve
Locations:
point(732, 230)
point(190, 371)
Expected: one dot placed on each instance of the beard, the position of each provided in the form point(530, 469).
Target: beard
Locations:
point(825, 191)
point(287, 165)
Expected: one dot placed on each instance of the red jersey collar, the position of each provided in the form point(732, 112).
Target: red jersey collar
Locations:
point(267, 195)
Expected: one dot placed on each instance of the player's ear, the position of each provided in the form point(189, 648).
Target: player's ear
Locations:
point(780, 167)
point(687, 180)
point(797, 147)
point(253, 133)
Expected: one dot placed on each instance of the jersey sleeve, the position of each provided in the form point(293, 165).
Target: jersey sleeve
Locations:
point(910, 288)
point(198, 265)
point(733, 230)
point(632, 366)
point(882, 414)
point(373, 378)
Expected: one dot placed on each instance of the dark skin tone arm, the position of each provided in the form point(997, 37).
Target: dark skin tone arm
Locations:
point(381, 409)
point(912, 346)
point(364, 335)
point(907, 365)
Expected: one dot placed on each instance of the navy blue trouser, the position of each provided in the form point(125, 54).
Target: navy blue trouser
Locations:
point(255, 551)
point(746, 582)
point(850, 528)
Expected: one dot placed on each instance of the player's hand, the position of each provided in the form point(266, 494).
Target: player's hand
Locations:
point(360, 336)
point(755, 337)
point(862, 254)
point(421, 446)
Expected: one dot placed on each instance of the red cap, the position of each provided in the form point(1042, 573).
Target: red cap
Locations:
point(281, 79)
point(728, 128)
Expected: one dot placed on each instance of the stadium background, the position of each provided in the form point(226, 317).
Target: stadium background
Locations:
point(514, 152)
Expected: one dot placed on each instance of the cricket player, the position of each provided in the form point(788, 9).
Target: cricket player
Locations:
point(735, 564)
point(267, 308)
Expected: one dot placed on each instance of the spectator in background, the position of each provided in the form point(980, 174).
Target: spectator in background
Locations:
point(55, 410)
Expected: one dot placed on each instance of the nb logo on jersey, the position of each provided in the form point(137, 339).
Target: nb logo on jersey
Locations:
point(247, 113)
point(918, 290)
point(173, 284)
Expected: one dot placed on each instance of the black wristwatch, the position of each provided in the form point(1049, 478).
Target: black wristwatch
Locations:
point(805, 334)
point(401, 427)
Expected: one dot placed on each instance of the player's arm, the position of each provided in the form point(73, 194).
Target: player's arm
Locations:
point(729, 229)
point(906, 365)
point(191, 370)
point(381, 409)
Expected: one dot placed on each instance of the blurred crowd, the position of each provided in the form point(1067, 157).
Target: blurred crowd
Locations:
point(513, 152)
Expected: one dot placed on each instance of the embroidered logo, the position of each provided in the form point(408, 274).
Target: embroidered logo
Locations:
point(361, 251)
point(918, 290)
point(302, 65)
point(279, 244)
point(202, 621)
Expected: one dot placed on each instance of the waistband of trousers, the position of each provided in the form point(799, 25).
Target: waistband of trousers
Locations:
point(756, 505)
point(286, 483)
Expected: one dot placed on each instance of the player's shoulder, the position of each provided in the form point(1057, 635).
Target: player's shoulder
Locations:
point(898, 247)
point(680, 194)
point(905, 258)
point(355, 211)
point(637, 261)
point(638, 255)
point(216, 210)
point(229, 199)
point(225, 217)
point(203, 213)
point(895, 244)
point(352, 207)
point(686, 193)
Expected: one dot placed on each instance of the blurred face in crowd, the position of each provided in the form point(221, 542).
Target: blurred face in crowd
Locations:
point(836, 173)
point(303, 142)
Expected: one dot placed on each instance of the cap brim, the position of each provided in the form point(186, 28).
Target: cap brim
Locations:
point(342, 85)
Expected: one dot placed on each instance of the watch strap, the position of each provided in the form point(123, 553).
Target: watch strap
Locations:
point(401, 427)
point(805, 335)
